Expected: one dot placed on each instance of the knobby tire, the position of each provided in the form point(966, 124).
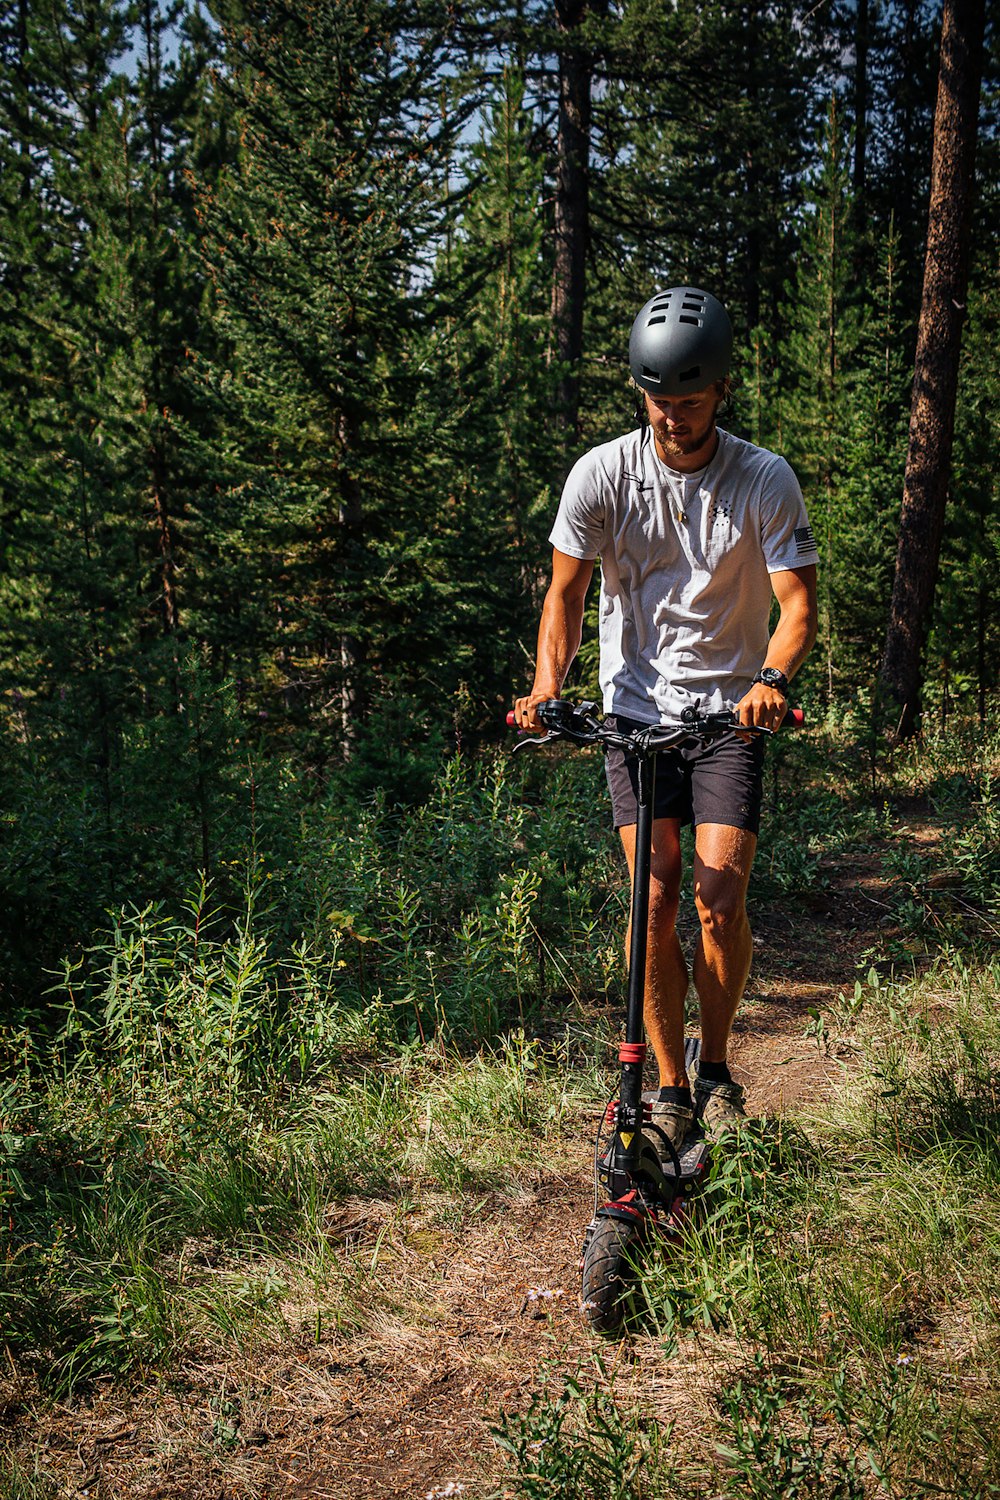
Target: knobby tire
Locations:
point(611, 1296)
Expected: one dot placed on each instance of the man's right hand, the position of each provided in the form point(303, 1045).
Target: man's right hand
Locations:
point(525, 711)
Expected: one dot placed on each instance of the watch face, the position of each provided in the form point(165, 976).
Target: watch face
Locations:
point(771, 677)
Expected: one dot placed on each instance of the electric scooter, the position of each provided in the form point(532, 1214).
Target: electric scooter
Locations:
point(644, 1187)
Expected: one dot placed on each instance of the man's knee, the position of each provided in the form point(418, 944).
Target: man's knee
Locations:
point(723, 857)
point(664, 885)
point(721, 910)
point(664, 899)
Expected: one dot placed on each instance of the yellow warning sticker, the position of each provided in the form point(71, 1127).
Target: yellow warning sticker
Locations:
point(626, 1138)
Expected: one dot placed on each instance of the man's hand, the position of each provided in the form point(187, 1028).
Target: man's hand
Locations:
point(762, 705)
point(525, 715)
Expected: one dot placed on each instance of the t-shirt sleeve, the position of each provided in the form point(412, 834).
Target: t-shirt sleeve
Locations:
point(785, 534)
point(579, 527)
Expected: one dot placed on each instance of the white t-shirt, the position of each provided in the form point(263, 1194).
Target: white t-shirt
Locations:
point(685, 564)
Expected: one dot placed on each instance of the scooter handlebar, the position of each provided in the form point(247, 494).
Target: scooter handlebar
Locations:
point(794, 719)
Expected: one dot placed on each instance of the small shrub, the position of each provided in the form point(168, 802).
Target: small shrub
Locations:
point(577, 1442)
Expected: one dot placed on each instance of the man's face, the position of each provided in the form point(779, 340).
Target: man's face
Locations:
point(683, 424)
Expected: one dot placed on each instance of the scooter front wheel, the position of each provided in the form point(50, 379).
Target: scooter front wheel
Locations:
point(611, 1292)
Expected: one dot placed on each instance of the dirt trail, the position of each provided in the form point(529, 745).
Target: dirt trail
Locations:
point(402, 1408)
point(435, 1405)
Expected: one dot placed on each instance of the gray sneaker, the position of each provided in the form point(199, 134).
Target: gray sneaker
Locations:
point(719, 1106)
point(675, 1120)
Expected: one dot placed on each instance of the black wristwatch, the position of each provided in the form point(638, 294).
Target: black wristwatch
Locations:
point(772, 678)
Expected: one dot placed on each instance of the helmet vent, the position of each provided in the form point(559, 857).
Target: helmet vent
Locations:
point(650, 374)
point(695, 321)
point(691, 374)
point(661, 319)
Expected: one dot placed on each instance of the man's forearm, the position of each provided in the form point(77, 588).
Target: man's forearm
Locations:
point(795, 631)
point(559, 636)
point(793, 639)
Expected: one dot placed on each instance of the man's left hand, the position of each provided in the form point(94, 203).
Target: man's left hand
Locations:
point(763, 706)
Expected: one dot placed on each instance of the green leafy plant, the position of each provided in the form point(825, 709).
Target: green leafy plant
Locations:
point(576, 1441)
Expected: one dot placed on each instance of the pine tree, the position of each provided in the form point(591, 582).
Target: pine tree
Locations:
point(964, 642)
point(498, 274)
point(873, 451)
point(962, 650)
point(320, 243)
point(98, 284)
point(811, 395)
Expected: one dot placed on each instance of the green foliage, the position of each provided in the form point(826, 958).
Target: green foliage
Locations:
point(90, 820)
point(722, 126)
point(577, 1442)
point(320, 244)
point(966, 623)
point(229, 1064)
point(781, 1447)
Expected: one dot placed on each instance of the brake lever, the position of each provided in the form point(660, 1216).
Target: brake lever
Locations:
point(535, 741)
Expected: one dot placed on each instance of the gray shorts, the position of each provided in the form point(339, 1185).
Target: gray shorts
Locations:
point(717, 783)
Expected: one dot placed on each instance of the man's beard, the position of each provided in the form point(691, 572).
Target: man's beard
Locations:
point(690, 443)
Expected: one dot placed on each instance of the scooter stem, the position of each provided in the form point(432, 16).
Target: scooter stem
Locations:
point(640, 899)
point(626, 1151)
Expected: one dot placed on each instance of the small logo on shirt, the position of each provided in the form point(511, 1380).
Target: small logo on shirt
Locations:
point(804, 540)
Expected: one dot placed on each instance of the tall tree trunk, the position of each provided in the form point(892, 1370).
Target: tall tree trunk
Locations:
point(159, 488)
point(860, 113)
point(939, 333)
point(353, 701)
point(572, 204)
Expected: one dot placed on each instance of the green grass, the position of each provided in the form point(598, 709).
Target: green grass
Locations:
point(104, 1207)
point(577, 1440)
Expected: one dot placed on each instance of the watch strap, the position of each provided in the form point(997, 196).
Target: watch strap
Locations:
point(773, 678)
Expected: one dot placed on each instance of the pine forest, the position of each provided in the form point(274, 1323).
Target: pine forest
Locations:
point(307, 309)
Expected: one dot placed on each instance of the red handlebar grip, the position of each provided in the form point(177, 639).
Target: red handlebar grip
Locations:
point(511, 719)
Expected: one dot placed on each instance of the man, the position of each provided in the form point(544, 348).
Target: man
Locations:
point(695, 529)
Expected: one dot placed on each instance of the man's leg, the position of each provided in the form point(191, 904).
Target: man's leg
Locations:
point(666, 971)
point(723, 857)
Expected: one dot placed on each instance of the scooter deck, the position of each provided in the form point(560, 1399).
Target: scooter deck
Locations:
point(693, 1154)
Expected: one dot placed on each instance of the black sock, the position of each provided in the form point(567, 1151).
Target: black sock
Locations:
point(714, 1072)
point(675, 1095)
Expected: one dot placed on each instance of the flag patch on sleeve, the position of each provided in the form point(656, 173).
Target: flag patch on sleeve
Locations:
point(804, 540)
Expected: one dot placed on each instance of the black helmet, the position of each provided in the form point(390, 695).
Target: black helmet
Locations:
point(681, 341)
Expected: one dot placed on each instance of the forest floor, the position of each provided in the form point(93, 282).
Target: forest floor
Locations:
point(462, 1305)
